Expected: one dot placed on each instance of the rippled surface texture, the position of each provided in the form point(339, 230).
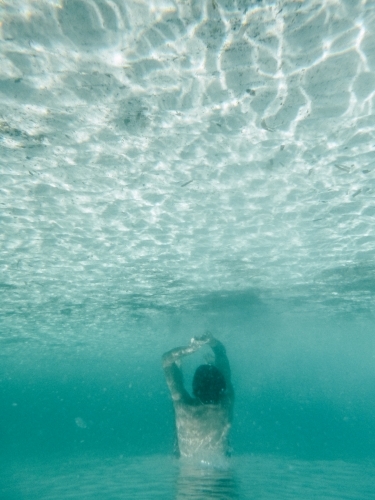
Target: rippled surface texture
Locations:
point(155, 151)
point(248, 478)
point(171, 166)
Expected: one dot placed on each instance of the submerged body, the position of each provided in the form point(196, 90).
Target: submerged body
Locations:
point(203, 422)
point(202, 429)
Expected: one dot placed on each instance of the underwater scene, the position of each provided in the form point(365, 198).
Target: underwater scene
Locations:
point(187, 184)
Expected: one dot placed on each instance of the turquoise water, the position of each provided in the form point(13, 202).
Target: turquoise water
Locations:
point(163, 477)
point(173, 166)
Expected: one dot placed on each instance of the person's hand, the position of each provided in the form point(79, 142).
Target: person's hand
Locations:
point(204, 339)
point(196, 343)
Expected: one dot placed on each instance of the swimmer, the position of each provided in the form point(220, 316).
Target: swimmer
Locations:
point(203, 422)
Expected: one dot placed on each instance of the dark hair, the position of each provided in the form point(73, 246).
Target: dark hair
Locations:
point(208, 384)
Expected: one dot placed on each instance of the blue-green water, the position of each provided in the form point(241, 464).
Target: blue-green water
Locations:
point(173, 166)
point(159, 476)
point(77, 422)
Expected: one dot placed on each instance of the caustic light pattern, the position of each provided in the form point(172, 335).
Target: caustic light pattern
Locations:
point(153, 152)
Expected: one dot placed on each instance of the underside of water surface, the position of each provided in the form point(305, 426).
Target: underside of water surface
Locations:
point(169, 167)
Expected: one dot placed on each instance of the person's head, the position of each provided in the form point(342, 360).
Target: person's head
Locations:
point(208, 384)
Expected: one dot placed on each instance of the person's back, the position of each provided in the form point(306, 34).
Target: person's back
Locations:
point(203, 422)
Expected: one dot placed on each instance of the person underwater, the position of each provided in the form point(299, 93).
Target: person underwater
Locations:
point(203, 421)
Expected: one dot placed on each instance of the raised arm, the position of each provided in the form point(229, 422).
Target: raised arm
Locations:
point(222, 363)
point(173, 372)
